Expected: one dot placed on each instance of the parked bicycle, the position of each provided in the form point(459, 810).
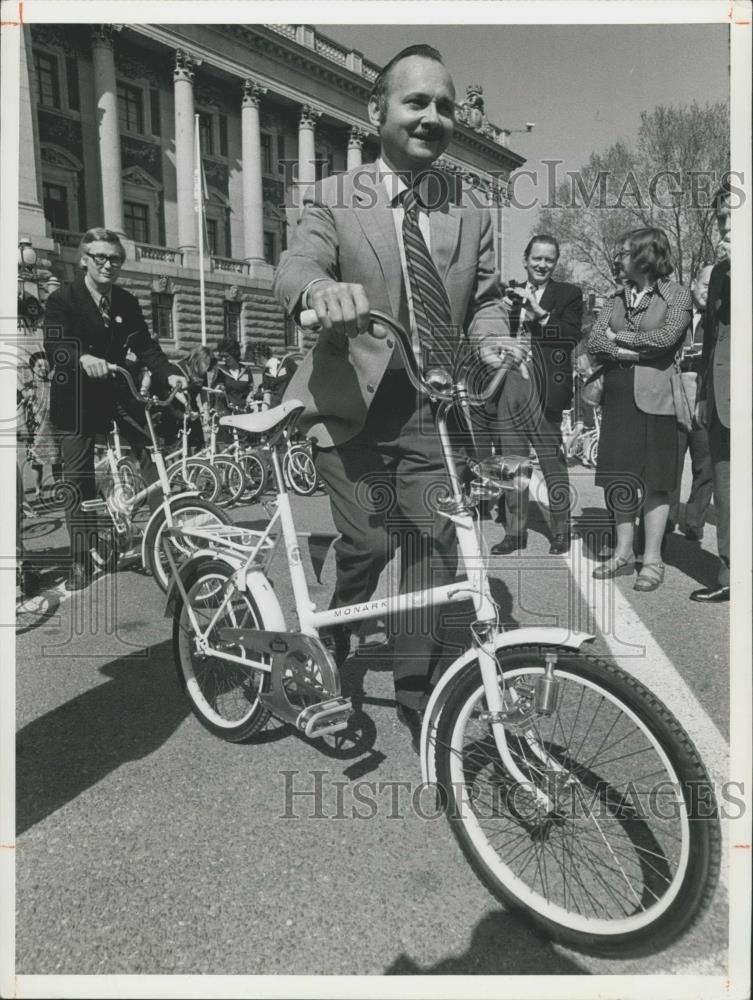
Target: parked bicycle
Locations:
point(547, 759)
point(128, 492)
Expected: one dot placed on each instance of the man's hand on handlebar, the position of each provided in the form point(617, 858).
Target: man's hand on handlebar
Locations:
point(340, 307)
point(94, 367)
point(177, 381)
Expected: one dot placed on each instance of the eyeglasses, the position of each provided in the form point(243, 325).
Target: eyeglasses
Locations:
point(100, 259)
point(622, 253)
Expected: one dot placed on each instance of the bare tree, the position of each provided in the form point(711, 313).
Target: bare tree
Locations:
point(665, 179)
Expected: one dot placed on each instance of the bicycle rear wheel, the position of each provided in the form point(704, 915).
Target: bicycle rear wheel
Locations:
point(627, 856)
point(232, 480)
point(299, 471)
point(198, 475)
point(254, 465)
point(185, 511)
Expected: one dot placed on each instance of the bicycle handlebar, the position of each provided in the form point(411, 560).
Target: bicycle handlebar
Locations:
point(150, 400)
point(436, 382)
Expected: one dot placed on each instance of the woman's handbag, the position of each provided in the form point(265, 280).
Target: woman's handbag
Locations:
point(684, 388)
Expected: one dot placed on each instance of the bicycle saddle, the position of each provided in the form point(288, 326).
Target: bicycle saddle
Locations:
point(260, 423)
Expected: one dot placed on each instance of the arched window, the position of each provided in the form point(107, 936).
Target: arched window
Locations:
point(142, 206)
point(62, 177)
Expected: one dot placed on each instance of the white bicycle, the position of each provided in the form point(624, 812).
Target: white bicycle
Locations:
point(576, 796)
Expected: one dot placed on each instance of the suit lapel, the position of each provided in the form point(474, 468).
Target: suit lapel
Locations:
point(549, 299)
point(444, 225)
point(378, 225)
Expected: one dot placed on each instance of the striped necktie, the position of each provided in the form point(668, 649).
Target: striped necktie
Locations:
point(104, 308)
point(431, 306)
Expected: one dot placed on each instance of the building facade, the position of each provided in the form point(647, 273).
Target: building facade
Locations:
point(107, 138)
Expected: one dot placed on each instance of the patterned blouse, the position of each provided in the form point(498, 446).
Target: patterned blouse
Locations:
point(648, 343)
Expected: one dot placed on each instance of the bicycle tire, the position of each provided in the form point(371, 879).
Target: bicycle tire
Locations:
point(184, 510)
point(591, 455)
point(299, 471)
point(131, 483)
point(255, 470)
point(223, 695)
point(572, 862)
point(232, 480)
point(199, 475)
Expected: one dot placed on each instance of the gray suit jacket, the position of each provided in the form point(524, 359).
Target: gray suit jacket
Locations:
point(347, 233)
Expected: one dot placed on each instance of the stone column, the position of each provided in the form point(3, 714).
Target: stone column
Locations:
point(106, 95)
point(253, 200)
point(31, 220)
point(306, 150)
point(356, 139)
point(184, 154)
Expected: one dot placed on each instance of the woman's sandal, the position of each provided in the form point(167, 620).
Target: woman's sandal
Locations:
point(650, 577)
point(612, 568)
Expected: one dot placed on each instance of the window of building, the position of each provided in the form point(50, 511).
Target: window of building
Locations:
point(130, 108)
point(154, 108)
point(266, 153)
point(55, 198)
point(269, 247)
point(212, 234)
point(162, 315)
point(206, 133)
point(136, 221)
point(233, 320)
point(280, 153)
point(222, 119)
point(48, 83)
point(71, 79)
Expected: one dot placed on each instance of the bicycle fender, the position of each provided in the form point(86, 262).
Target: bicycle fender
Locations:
point(186, 569)
point(534, 635)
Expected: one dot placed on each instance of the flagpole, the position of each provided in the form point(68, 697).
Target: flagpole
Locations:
point(200, 227)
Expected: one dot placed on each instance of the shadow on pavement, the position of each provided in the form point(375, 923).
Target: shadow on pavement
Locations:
point(68, 750)
point(691, 560)
point(501, 945)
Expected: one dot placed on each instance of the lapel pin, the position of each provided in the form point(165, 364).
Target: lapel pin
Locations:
point(118, 319)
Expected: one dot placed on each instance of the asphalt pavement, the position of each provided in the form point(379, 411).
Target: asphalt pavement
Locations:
point(146, 845)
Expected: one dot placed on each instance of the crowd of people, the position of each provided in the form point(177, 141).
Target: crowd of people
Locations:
point(374, 238)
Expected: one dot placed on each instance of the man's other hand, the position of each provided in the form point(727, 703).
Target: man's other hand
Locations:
point(505, 351)
point(177, 381)
point(700, 415)
point(94, 367)
point(340, 307)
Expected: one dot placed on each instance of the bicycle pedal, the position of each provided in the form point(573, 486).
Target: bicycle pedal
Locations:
point(93, 505)
point(326, 717)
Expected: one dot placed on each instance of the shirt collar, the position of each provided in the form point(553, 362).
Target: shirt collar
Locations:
point(393, 183)
point(95, 292)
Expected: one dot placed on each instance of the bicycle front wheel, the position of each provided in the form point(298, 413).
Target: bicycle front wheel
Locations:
point(189, 512)
point(254, 465)
point(624, 855)
point(299, 471)
point(232, 480)
point(196, 474)
point(224, 695)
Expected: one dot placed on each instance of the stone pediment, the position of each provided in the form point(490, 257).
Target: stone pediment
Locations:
point(139, 177)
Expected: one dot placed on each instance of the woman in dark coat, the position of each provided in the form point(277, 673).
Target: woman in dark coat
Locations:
point(636, 337)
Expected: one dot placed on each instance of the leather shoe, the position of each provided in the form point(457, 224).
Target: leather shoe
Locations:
point(509, 544)
point(560, 544)
point(80, 576)
point(711, 595)
point(412, 719)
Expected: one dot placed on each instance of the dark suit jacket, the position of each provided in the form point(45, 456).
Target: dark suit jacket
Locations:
point(73, 327)
point(347, 233)
point(715, 365)
point(553, 344)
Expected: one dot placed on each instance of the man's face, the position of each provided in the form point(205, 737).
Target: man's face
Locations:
point(103, 261)
point(540, 263)
point(724, 225)
point(419, 117)
point(700, 288)
point(41, 368)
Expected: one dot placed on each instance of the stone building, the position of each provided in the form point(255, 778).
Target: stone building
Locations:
point(107, 138)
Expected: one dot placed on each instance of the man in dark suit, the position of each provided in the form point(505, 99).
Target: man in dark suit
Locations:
point(547, 315)
point(89, 324)
point(697, 440)
point(713, 408)
point(356, 249)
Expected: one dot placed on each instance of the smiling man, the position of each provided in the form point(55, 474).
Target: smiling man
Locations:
point(89, 324)
point(386, 236)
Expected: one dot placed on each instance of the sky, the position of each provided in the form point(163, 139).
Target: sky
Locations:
point(583, 85)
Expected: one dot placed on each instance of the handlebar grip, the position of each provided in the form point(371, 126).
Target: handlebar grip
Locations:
point(308, 319)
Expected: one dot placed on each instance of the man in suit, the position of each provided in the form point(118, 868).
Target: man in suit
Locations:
point(546, 314)
point(713, 408)
point(89, 324)
point(375, 447)
point(696, 440)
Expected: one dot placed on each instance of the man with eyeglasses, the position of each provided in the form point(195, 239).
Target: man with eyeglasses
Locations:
point(89, 324)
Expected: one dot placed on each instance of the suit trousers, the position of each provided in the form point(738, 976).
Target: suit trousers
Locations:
point(381, 485)
point(522, 421)
point(719, 449)
point(697, 504)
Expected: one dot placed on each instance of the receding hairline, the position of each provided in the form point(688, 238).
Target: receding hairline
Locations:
point(384, 81)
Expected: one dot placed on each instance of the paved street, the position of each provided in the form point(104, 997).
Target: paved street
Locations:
point(146, 845)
